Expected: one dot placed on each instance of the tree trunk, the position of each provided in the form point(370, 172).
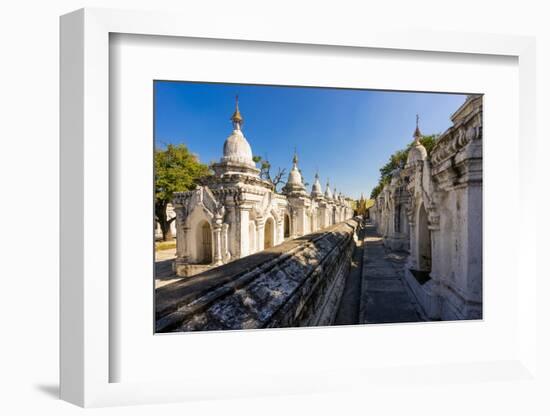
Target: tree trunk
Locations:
point(164, 222)
point(166, 231)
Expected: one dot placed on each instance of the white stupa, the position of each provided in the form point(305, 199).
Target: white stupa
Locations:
point(316, 190)
point(294, 183)
point(328, 193)
point(417, 152)
point(237, 153)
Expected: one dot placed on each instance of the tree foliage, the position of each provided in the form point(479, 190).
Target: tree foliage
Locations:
point(176, 170)
point(398, 160)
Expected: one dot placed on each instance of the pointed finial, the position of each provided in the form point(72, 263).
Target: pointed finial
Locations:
point(236, 118)
point(417, 135)
point(295, 158)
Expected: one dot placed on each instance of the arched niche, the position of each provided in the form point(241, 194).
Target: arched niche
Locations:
point(204, 242)
point(397, 224)
point(287, 226)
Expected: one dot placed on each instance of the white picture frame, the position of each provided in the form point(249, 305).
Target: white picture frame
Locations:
point(85, 212)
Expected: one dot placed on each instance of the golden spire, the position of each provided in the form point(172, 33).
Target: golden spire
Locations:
point(295, 158)
point(236, 118)
point(417, 135)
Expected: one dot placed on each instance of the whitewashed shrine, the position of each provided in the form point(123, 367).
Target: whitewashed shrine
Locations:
point(237, 213)
point(433, 209)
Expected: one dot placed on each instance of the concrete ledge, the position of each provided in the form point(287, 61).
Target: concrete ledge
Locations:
point(440, 302)
point(297, 283)
point(425, 294)
point(187, 270)
point(455, 307)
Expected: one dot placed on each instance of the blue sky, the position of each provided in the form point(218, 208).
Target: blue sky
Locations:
point(346, 134)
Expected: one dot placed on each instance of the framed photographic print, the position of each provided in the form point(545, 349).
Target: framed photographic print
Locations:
point(279, 212)
point(243, 244)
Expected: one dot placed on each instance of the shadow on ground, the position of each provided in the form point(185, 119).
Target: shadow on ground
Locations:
point(51, 390)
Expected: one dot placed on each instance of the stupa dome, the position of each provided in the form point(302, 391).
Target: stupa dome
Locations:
point(316, 189)
point(294, 182)
point(328, 193)
point(236, 148)
point(294, 177)
point(417, 152)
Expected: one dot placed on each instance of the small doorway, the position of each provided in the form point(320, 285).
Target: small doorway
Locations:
point(204, 243)
point(287, 226)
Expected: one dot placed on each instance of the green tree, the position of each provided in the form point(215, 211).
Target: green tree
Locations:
point(176, 170)
point(428, 142)
point(376, 190)
point(398, 161)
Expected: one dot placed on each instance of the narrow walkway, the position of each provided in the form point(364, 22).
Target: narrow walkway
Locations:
point(385, 298)
point(348, 311)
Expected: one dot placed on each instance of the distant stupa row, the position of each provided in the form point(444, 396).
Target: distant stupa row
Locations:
point(237, 213)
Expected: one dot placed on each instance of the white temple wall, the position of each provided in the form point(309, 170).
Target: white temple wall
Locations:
point(233, 230)
point(252, 239)
point(280, 224)
point(260, 234)
point(442, 194)
point(320, 218)
point(459, 261)
point(302, 221)
point(299, 219)
point(244, 232)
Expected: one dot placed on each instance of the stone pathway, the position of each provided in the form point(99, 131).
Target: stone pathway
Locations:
point(163, 267)
point(385, 297)
point(348, 311)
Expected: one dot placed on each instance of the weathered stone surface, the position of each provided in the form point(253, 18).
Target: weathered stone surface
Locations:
point(297, 283)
